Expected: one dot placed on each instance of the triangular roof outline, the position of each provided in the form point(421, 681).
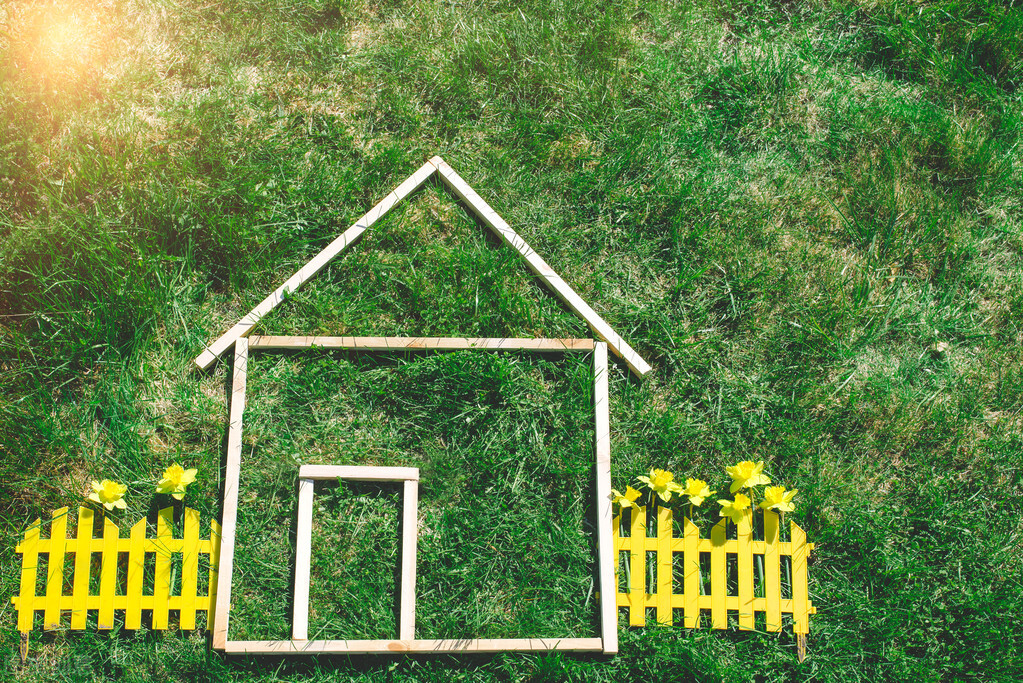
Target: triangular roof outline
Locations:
point(485, 213)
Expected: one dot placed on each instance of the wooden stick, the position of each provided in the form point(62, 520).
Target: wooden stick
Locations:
point(358, 472)
point(303, 560)
point(421, 343)
point(409, 534)
point(232, 474)
point(540, 267)
point(413, 646)
point(245, 325)
point(605, 546)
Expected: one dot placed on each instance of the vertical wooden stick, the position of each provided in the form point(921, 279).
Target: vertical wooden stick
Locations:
point(232, 474)
point(409, 525)
point(605, 547)
point(303, 560)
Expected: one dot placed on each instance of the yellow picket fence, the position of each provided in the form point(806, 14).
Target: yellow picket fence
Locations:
point(757, 563)
point(123, 583)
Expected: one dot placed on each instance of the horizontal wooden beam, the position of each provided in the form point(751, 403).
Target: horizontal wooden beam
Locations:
point(351, 647)
point(422, 343)
point(358, 473)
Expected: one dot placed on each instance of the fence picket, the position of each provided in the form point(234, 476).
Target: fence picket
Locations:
point(637, 587)
point(108, 575)
point(29, 549)
point(55, 569)
point(772, 571)
point(189, 570)
point(800, 599)
point(744, 536)
point(664, 565)
point(691, 575)
point(53, 602)
point(718, 601)
point(718, 611)
point(83, 567)
point(214, 550)
point(136, 569)
point(161, 583)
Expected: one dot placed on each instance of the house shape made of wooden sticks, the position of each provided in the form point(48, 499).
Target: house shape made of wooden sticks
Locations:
point(239, 339)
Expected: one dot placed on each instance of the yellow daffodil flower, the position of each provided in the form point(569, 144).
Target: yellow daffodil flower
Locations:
point(110, 494)
point(735, 509)
point(746, 474)
point(626, 500)
point(777, 498)
point(662, 483)
point(175, 479)
point(697, 491)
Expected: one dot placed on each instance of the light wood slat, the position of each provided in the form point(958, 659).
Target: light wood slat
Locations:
point(55, 569)
point(606, 560)
point(637, 568)
point(718, 613)
point(29, 565)
point(189, 570)
point(665, 567)
point(800, 597)
point(230, 510)
point(691, 579)
point(540, 267)
point(245, 325)
point(772, 572)
point(541, 345)
point(108, 575)
point(136, 568)
point(413, 646)
point(409, 536)
point(303, 559)
point(83, 562)
point(358, 472)
point(745, 560)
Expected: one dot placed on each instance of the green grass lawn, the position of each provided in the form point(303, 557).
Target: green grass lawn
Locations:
point(806, 216)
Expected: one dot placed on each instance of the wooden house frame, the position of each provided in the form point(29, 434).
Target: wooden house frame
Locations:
point(238, 337)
